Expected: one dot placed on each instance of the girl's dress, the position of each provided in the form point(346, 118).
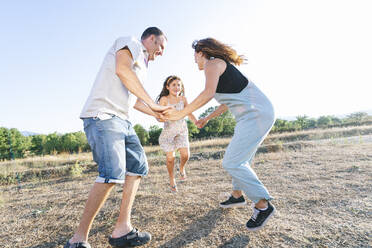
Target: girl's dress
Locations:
point(175, 134)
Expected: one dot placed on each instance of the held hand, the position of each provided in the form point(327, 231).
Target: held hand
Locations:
point(173, 114)
point(159, 117)
point(158, 108)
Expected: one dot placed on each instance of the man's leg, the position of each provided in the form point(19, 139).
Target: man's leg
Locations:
point(123, 224)
point(97, 196)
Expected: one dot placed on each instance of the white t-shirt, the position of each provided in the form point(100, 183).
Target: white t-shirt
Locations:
point(108, 94)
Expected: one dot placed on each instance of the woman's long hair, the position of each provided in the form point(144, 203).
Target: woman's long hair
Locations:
point(211, 47)
point(167, 82)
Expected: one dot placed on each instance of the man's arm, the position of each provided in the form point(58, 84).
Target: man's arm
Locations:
point(130, 80)
point(140, 106)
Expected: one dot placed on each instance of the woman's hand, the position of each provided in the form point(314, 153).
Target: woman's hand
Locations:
point(202, 122)
point(159, 117)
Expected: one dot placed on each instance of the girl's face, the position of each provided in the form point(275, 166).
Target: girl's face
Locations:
point(175, 87)
point(199, 59)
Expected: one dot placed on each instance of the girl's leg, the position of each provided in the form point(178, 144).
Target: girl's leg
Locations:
point(184, 154)
point(170, 168)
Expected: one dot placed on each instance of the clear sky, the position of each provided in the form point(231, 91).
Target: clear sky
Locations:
point(309, 57)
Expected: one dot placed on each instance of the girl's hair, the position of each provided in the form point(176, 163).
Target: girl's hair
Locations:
point(212, 48)
point(167, 82)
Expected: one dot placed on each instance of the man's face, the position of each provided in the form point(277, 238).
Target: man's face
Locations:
point(157, 46)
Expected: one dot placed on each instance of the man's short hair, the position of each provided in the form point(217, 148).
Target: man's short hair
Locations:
point(152, 30)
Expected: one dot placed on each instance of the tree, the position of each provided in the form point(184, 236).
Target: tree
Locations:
point(4, 143)
point(357, 116)
point(228, 123)
point(324, 121)
point(37, 144)
point(193, 129)
point(302, 121)
point(154, 133)
point(142, 134)
point(53, 143)
point(82, 142)
point(222, 125)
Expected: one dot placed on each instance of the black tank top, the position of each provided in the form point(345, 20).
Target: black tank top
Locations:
point(231, 80)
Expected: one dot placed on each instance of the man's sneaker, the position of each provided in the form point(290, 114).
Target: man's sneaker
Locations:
point(133, 238)
point(260, 217)
point(77, 245)
point(233, 202)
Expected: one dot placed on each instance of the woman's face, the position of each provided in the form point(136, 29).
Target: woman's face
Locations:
point(175, 87)
point(199, 59)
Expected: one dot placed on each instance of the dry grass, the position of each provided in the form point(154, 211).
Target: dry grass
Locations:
point(322, 193)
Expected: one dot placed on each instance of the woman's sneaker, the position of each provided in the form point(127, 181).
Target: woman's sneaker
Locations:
point(233, 202)
point(133, 238)
point(260, 217)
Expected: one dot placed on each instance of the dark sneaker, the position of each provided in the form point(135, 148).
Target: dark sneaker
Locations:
point(77, 245)
point(134, 238)
point(260, 217)
point(233, 202)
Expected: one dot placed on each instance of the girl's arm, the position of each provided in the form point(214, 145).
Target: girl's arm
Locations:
point(220, 110)
point(213, 69)
point(191, 116)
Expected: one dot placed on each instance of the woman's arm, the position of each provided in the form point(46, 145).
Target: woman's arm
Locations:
point(213, 69)
point(220, 110)
point(191, 116)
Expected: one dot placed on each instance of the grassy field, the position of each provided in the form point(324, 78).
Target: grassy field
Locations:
point(322, 187)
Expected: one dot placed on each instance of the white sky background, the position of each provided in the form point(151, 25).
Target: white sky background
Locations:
point(309, 57)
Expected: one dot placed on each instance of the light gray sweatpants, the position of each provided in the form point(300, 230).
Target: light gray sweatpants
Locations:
point(255, 117)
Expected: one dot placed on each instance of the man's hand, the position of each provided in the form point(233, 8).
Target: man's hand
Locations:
point(173, 114)
point(201, 123)
point(158, 108)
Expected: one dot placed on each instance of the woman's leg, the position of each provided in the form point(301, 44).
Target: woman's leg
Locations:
point(185, 155)
point(170, 167)
point(238, 157)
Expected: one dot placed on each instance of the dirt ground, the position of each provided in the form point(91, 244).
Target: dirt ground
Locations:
point(322, 194)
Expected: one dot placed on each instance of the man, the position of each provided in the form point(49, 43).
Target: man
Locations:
point(115, 146)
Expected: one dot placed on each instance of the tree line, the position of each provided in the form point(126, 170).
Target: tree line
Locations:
point(14, 145)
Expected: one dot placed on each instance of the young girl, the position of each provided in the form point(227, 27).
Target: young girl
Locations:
point(175, 135)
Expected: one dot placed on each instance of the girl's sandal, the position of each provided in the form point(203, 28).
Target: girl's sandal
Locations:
point(183, 176)
point(173, 188)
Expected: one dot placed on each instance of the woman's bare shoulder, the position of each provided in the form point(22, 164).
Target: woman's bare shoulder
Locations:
point(216, 64)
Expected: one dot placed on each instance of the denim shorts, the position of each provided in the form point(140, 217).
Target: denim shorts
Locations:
point(116, 149)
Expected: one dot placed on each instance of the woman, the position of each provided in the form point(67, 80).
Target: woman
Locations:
point(254, 115)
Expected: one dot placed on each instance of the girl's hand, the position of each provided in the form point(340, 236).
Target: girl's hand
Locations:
point(173, 114)
point(201, 123)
